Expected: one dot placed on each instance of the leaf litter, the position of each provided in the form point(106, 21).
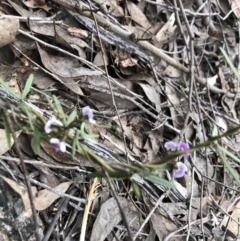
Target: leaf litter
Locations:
point(157, 101)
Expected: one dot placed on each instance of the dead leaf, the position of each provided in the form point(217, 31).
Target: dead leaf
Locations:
point(177, 106)
point(232, 225)
point(66, 67)
point(3, 141)
point(33, 4)
point(235, 6)
point(137, 15)
point(167, 32)
point(129, 62)
point(58, 33)
point(20, 10)
point(14, 85)
point(22, 191)
point(109, 216)
point(152, 95)
point(45, 198)
point(8, 30)
point(98, 60)
point(162, 225)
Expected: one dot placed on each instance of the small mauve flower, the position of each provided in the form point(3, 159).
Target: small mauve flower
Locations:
point(182, 146)
point(89, 113)
point(59, 145)
point(177, 173)
point(171, 146)
point(50, 122)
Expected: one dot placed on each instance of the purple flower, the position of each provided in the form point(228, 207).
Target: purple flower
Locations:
point(89, 113)
point(171, 146)
point(50, 122)
point(182, 146)
point(177, 173)
point(59, 145)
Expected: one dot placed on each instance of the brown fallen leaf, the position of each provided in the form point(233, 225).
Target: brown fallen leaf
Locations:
point(66, 67)
point(21, 190)
point(45, 197)
point(137, 15)
point(109, 216)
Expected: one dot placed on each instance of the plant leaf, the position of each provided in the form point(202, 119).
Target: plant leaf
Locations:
point(59, 108)
point(226, 164)
point(235, 158)
point(156, 179)
point(27, 87)
point(36, 141)
point(136, 189)
point(234, 70)
point(71, 117)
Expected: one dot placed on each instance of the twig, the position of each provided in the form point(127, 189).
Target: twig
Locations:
point(25, 173)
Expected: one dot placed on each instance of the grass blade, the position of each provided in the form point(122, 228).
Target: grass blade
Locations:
point(27, 87)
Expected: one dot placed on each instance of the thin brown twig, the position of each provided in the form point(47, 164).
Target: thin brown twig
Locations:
point(25, 173)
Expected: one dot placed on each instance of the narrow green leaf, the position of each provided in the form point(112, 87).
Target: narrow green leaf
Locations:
point(95, 174)
point(226, 164)
point(136, 189)
point(234, 70)
point(215, 131)
point(71, 117)
point(7, 131)
point(27, 87)
point(49, 101)
point(36, 141)
point(156, 179)
point(235, 158)
point(59, 108)
point(82, 127)
point(26, 110)
point(10, 91)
